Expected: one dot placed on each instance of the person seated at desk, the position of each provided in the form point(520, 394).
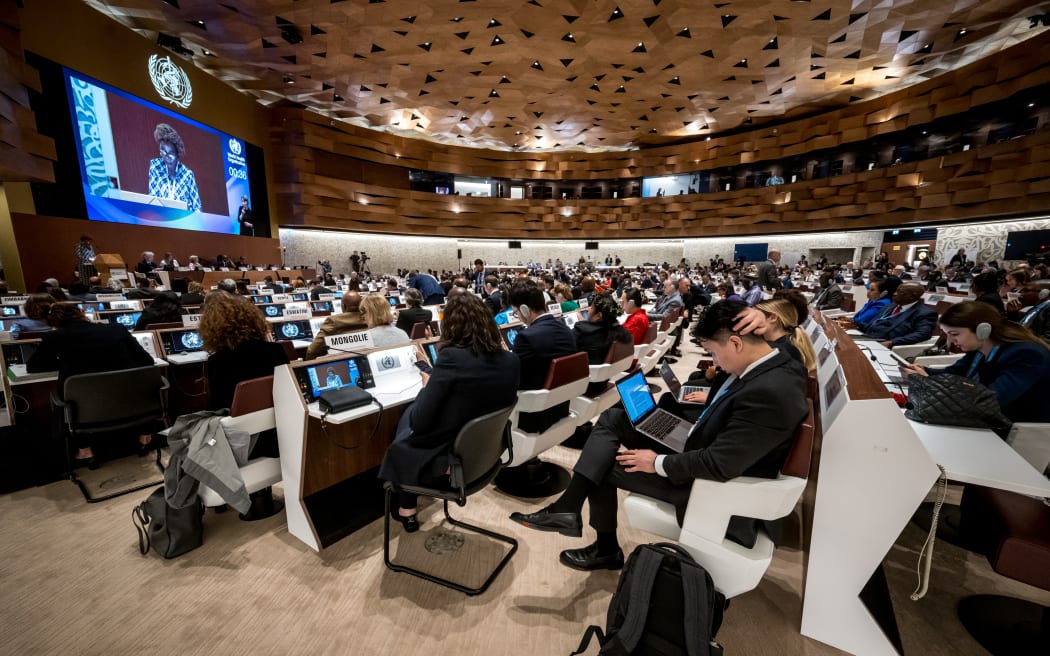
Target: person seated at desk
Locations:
point(637, 322)
point(544, 339)
point(473, 376)
point(432, 291)
point(165, 308)
point(563, 296)
point(78, 292)
point(350, 320)
point(37, 309)
point(317, 288)
point(238, 341)
point(985, 287)
point(146, 266)
point(1004, 357)
point(668, 303)
point(78, 346)
point(830, 297)
point(193, 295)
point(595, 335)
point(908, 321)
point(414, 313)
point(746, 430)
point(880, 293)
point(493, 296)
point(380, 320)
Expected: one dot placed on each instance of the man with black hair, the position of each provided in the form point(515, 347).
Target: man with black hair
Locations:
point(745, 430)
point(492, 295)
point(544, 339)
point(479, 274)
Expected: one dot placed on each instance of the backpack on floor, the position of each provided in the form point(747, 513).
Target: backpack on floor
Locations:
point(664, 605)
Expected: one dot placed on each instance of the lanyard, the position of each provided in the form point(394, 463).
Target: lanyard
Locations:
point(972, 373)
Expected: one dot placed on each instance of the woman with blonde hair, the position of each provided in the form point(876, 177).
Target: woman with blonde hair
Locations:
point(781, 329)
point(239, 343)
point(376, 312)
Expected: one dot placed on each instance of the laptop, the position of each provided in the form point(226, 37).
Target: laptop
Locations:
point(647, 419)
point(677, 388)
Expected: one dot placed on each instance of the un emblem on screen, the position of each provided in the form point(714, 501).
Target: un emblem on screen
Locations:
point(170, 81)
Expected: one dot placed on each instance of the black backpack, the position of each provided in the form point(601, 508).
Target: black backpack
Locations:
point(664, 605)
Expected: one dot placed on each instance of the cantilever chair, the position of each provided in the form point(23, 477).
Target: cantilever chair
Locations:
point(474, 461)
point(94, 404)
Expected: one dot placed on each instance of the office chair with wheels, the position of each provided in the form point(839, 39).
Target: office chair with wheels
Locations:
point(99, 403)
point(474, 461)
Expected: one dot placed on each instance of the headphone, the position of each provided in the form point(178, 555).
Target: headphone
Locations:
point(983, 330)
point(524, 311)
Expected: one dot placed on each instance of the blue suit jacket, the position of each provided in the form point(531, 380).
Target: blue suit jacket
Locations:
point(911, 326)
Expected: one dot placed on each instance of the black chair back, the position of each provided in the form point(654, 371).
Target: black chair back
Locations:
point(477, 451)
point(112, 400)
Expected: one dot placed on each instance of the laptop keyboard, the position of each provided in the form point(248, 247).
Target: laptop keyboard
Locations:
point(660, 424)
point(689, 389)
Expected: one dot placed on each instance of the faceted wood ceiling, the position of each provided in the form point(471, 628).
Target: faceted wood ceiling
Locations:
point(575, 74)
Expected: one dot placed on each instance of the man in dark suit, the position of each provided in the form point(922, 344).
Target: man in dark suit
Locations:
point(907, 321)
point(745, 430)
point(767, 271)
point(479, 274)
point(830, 298)
point(492, 295)
point(544, 339)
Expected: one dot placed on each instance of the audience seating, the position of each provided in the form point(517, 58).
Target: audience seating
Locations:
point(475, 460)
point(601, 394)
point(913, 350)
point(289, 351)
point(252, 411)
point(650, 337)
point(567, 378)
point(734, 569)
point(110, 401)
point(1013, 531)
point(419, 330)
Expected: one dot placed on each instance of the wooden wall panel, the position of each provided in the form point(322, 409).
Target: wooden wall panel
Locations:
point(25, 155)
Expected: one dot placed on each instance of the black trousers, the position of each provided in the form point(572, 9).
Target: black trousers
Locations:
point(597, 464)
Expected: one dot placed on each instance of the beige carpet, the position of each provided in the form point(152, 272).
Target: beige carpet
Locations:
point(73, 582)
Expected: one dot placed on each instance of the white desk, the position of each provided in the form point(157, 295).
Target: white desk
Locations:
point(980, 457)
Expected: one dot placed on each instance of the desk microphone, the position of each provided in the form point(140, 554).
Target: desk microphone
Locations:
point(871, 354)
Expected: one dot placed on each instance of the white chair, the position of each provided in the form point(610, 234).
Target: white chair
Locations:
point(252, 411)
point(650, 337)
point(912, 350)
point(734, 569)
point(1032, 442)
point(593, 401)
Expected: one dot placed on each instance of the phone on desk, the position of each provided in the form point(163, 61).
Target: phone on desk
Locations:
point(423, 366)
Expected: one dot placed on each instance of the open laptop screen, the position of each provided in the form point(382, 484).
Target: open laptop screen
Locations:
point(292, 330)
point(509, 335)
point(637, 399)
point(182, 341)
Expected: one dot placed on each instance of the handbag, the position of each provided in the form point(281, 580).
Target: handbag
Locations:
point(952, 400)
point(343, 399)
point(169, 531)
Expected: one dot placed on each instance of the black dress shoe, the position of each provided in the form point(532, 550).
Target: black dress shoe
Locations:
point(410, 523)
point(91, 463)
point(570, 524)
point(588, 559)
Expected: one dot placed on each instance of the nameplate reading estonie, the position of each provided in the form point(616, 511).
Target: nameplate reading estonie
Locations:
point(358, 341)
point(191, 320)
point(106, 298)
point(297, 310)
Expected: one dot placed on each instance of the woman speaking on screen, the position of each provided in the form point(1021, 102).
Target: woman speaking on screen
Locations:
point(168, 176)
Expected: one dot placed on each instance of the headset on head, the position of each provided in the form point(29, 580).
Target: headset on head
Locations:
point(983, 330)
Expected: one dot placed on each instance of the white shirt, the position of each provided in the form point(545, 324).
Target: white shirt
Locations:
point(658, 464)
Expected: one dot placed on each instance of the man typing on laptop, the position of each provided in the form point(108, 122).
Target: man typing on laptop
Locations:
point(745, 430)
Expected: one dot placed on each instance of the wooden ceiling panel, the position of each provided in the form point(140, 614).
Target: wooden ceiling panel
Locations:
point(575, 75)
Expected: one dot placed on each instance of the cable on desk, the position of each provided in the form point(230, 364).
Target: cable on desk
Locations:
point(922, 567)
point(375, 427)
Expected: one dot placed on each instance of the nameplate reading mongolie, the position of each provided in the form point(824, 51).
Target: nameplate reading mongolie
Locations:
point(358, 341)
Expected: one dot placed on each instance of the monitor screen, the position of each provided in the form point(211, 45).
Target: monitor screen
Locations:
point(301, 297)
point(333, 375)
point(261, 299)
point(144, 164)
point(182, 341)
point(126, 319)
point(322, 306)
point(509, 335)
point(9, 311)
point(292, 330)
point(91, 307)
point(272, 310)
point(637, 399)
point(432, 351)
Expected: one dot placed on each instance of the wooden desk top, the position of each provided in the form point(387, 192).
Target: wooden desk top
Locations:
point(863, 382)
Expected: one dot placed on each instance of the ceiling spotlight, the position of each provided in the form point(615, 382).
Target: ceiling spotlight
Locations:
point(708, 139)
point(493, 94)
point(536, 64)
point(569, 37)
point(497, 41)
point(963, 32)
point(639, 48)
point(1031, 105)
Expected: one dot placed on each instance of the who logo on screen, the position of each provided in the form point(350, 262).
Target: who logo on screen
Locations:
point(170, 81)
point(235, 146)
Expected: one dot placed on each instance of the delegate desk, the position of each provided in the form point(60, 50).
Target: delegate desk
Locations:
point(328, 463)
point(876, 468)
point(211, 278)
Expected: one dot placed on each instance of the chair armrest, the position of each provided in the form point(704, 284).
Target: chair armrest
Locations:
point(711, 503)
point(938, 360)
point(912, 350)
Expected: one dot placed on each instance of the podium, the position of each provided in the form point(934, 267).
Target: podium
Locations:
point(109, 266)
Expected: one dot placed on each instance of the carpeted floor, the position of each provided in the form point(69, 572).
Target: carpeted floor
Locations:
point(74, 583)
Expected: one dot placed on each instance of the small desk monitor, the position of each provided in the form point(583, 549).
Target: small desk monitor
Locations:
point(126, 319)
point(182, 341)
point(334, 374)
point(321, 306)
point(292, 330)
point(509, 334)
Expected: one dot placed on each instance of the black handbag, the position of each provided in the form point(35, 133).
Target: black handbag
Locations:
point(169, 531)
point(952, 400)
point(343, 399)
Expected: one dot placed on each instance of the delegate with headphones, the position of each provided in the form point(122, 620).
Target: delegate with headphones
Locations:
point(1001, 355)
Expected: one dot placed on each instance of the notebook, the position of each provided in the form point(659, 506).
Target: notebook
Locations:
point(676, 387)
point(647, 419)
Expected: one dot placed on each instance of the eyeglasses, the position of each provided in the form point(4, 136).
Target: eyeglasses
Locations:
point(169, 154)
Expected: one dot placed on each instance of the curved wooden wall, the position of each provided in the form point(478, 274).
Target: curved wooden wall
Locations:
point(335, 175)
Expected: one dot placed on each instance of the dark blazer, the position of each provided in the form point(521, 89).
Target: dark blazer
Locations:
point(494, 302)
point(463, 386)
point(1019, 374)
point(767, 275)
point(547, 338)
point(911, 326)
point(85, 348)
point(410, 316)
point(831, 298)
point(226, 368)
point(596, 338)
